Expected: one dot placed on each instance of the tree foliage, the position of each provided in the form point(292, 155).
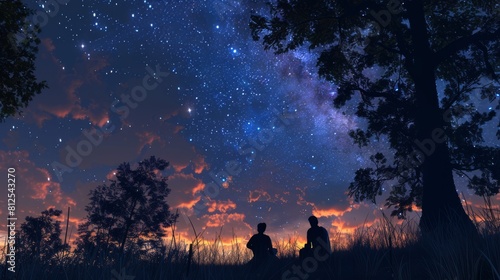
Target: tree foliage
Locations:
point(388, 58)
point(18, 48)
point(130, 212)
point(39, 238)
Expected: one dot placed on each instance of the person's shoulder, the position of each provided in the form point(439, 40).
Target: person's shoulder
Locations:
point(324, 230)
point(313, 231)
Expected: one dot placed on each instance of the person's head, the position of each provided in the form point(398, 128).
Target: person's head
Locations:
point(261, 227)
point(313, 221)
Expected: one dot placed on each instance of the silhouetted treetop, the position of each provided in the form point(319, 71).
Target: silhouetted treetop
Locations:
point(40, 237)
point(130, 211)
point(18, 47)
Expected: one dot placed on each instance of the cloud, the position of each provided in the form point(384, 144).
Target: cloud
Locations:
point(196, 162)
point(130, 144)
point(331, 211)
point(219, 220)
point(257, 195)
point(185, 190)
point(199, 164)
point(70, 105)
point(221, 206)
point(360, 215)
point(188, 204)
point(32, 181)
point(74, 93)
point(301, 200)
point(281, 198)
point(343, 226)
point(42, 190)
point(34, 189)
point(146, 138)
point(198, 188)
point(48, 44)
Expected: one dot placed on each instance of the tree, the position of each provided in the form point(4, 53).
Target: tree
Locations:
point(18, 47)
point(40, 237)
point(132, 210)
point(386, 57)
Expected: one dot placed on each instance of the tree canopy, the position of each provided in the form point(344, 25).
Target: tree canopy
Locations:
point(18, 47)
point(40, 237)
point(129, 212)
point(390, 59)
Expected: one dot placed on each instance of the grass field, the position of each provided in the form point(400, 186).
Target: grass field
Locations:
point(386, 250)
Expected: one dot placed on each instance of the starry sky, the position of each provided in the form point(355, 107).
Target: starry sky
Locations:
point(184, 81)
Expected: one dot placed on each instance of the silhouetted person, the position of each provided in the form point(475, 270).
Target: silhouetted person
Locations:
point(261, 245)
point(318, 236)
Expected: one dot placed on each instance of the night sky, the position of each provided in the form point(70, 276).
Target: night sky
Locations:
point(184, 81)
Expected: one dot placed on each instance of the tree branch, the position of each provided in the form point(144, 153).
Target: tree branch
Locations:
point(390, 49)
point(464, 42)
point(486, 57)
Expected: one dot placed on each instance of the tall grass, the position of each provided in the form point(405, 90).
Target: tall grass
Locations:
point(388, 249)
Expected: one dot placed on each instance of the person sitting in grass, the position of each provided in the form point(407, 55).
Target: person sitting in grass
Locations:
point(261, 245)
point(318, 236)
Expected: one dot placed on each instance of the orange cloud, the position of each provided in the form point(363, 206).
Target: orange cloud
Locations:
point(40, 117)
point(281, 198)
point(63, 111)
point(257, 195)
point(188, 204)
point(343, 227)
point(37, 179)
point(147, 138)
point(301, 197)
point(70, 106)
point(198, 188)
point(44, 189)
point(178, 167)
point(195, 186)
point(221, 206)
point(74, 93)
point(218, 220)
point(35, 190)
point(328, 212)
point(199, 164)
point(184, 190)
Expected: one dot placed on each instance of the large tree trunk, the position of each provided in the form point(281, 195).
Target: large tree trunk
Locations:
point(441, 206)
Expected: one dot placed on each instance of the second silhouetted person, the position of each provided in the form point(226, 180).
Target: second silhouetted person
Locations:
point(260, 244)
point(318, 236)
